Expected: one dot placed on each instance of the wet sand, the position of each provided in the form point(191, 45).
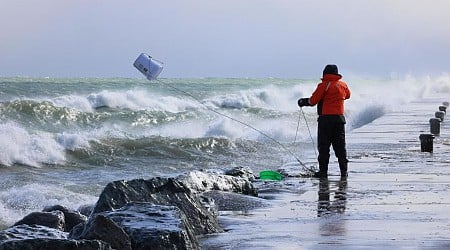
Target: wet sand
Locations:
point(396, 197)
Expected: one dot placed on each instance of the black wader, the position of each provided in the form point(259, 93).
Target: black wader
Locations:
point(331, 132)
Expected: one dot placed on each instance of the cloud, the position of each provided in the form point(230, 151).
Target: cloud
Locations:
point(225, 38)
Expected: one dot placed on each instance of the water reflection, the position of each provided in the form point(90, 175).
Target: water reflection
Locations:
point(325, 206)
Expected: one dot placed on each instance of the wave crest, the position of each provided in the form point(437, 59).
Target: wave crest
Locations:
point(17, 146)
point(367, 115)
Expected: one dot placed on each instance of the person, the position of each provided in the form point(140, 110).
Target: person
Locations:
point(329, 97)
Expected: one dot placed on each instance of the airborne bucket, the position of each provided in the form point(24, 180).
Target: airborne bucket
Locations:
point(151, 68)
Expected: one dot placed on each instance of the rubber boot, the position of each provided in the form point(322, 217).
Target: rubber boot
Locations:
point(323, 166)
point(343, 165)
point(322, 173)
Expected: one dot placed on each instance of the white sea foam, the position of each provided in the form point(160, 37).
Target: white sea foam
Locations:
point(19, 201)
point(134, 99)
point(371, 98)
point(438, 85)
point(115, 99)
point(270, 97)
point(76, 102)
point(139, 100)
point(19, 146)
point(72, 141)
point(225, 128)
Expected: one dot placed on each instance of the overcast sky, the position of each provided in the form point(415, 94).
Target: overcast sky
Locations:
point(224, 38)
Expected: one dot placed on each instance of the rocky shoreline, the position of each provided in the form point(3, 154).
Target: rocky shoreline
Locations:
point(158, 213)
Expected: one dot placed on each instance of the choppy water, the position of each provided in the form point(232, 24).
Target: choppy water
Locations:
point(62, 140)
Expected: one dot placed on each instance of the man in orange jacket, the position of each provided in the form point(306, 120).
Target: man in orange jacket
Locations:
point(329, 97)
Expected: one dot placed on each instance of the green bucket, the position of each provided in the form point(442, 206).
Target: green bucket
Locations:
point(270, 175)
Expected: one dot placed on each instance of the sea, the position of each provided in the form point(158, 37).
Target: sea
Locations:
point(63, 139)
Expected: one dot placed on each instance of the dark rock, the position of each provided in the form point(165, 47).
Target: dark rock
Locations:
point(209, 204)
point(22, 232)
point(160, 213)
point(202, 181)
point(226, 201)
point(155, 227)
point(72, 218)
point(86, 210)
point(54, 244)
point(77, 231)
point(242, 172)
point(53, 219)
point(102, 228)
point(159, 191)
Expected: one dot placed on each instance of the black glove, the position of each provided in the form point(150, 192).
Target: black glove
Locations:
point(303, 102)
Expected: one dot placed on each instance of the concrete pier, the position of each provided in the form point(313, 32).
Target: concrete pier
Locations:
point(395, 197)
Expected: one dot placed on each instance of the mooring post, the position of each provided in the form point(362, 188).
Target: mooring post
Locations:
point(435, 126)
point(426, 143)
point(440, 114)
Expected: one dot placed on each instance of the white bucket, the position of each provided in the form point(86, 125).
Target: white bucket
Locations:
point(148, 66)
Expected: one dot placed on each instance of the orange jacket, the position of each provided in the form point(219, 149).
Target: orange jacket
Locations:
point(332, 92)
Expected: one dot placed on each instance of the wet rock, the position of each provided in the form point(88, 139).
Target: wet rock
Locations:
point(226, 201)
point(293, 171)
point(38, 237)
point(242, 172)
point(54, 219)
point(86, 210)
point(72, 218)
point(23, 231)
point(54, 244)
point(155, 227)
point(159, 213)
point(202, 181)
point(159, 191)
point(99, 227)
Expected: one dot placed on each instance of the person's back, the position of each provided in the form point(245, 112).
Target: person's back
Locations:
point(331, 92)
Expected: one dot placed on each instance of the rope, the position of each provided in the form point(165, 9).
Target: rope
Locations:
point(309, 131)
point(298, 125)
point(236, 120)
